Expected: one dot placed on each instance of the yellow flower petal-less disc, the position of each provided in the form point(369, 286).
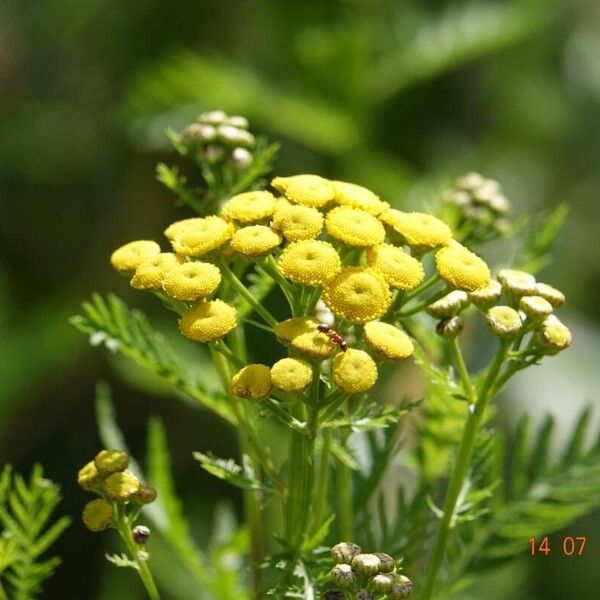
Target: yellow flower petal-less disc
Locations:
point(291, 375)
point(554, 335)
point(387, 340)
point(356, 196)
point(354, 371)
point(129, 257)
point(192, 281)
point(310, 190)
point(252, 382)
point(310, 262)
point(354, 227)
point(151, 273)
point(461, 268)
point(301, 333)
point(197, 237)
point(121, 485)
point(249, 207)
point(297, 222)
point(255, 240)
point(98, 514)
point(399, 269)
point(419, 230)
point(357, 294)
point(208, 321)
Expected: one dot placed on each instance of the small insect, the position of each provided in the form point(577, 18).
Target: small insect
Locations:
point(334, 336)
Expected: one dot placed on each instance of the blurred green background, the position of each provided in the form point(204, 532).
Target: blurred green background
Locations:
point(398, 96)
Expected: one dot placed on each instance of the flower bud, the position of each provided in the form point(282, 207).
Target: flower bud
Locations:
point(458, 198)
point(516, 282)
point(214, 117)
point(214, 154)
point(499, 204)
point(141, 533)
point(98, 514)
point(477, 213)
point(449, 328)
point(363, 595)
point(333, 595)
point(387, 562)
point(342, 575)
point(488, 189)
point(344, 552)
point(241, 158)
point(197, 133)
point(470, 181)
point(382, 582)
point(401, 588)
point(88, 476)
point(146, 494)
point(111, 461)
point(486, 296)
point(554, 296)
point(449, 305)
point(554, 335)
point(234, 136)
point(237, 121)
point(535, 307)
point(503, 321)
point(121, 486)
point(366, 564)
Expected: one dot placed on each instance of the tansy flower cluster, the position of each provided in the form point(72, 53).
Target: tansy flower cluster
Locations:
point(366, 575)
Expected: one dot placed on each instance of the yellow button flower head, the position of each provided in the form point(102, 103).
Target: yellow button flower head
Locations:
point(354, 371)
point(310, 190)
point(111, 461)
point(252, 382)
point(88, 476)
point(399, 269)
point(121, 486)
point(249, 207)
point(503, 321)
point(535, 307)
point(192, 281)
point(151, 273)
point(461, 268)
point(301, 333)
point(255, 240)
point(516, 282)
point(554, 335)
point(297, 222)
point(354, 227)
point(197, 237)
point(486, 296)
point(129, 257)
point(291, 375)
point(208, 321)
point(356, 196)
point(310, 262)
point(387, 340)
point(357, 294)
point(554, 296)
point(98, 514)
point(419, 230)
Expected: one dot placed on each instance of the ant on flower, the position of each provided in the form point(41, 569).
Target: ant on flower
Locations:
point(334, 336)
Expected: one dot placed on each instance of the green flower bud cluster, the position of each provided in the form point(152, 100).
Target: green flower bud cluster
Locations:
point(219, 137)
point(107, 476)
point(365, 576)
point(480, 204)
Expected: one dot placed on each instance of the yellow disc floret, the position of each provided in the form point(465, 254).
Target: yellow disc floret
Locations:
point(354, 371)
point(197, 237)
point(419, 230)
point(461, 268)
point(249, 207)
point(310, 262)
point(297, 222)
point(399, 269)
point(121, 486)
point(356, 196)
point(111, 461)
point(208, 321)
point(301, 333)
point(151, 273)
point(310, 190)
point(252, 382)
point(387, 340)
point(255, 240)
point(88, 476)
point(129, 257)
point(291, 375)
point(98, 514)
point(357, 294)
point(354, 227)
point(554, 335)
point(192, 281)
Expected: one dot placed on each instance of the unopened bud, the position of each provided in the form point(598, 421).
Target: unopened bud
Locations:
point(470, 181)
point(554, 335)
point(516, 282)
point(111, 461)
point(214, 154)
point(449, 305)
point(214, 117)
point(503, 321)
point(401, 588)
point(458, 198)
point(499, 204)
point(363, 595)
point(486, 296)
point(477, 213)
point(449, 328)
point(366, 564)
point(535, 307)
point(145, 495)
point(241, 158)
point(98, 514)
point(344, 552)
point(141, 533)
point(237, 121)
point(197, 133)
point(382, 582)
point(342, 575)
point(234, 136)
point(554, 296)
point(387, 562)
point(502, 225)
point(88, 476)
point(333, 595)
point(488, 189)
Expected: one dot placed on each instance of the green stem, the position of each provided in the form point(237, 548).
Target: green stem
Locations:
point(323, 481)
point(422, 288)
point(459, 472)
point(344, 497)
point(124, 529)
point(421, 305)
point(461, 368)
